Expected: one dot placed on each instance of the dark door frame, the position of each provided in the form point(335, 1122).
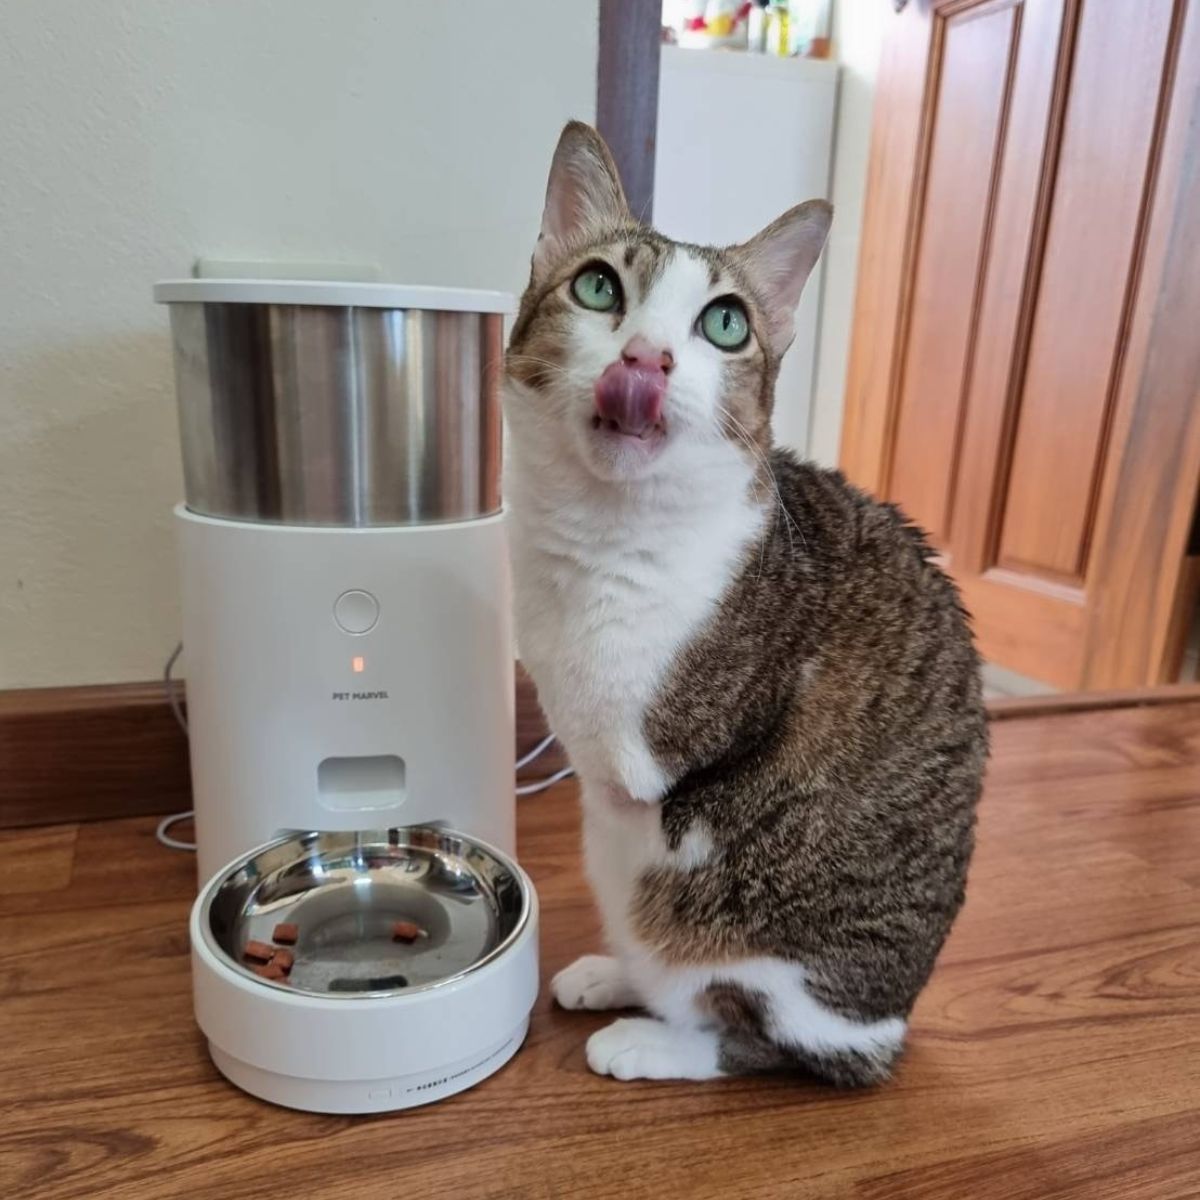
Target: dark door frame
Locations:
point(627, 94)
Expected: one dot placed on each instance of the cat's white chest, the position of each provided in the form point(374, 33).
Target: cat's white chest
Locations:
point(601, 621)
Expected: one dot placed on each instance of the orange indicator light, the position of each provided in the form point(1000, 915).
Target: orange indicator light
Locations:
point(358, 664)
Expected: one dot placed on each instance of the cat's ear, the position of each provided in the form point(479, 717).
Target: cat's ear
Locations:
point(583, 194)
point(780, 259)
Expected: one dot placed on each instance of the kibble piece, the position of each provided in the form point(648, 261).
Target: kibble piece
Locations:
point(284, 960)
point(286, 933)
point(269, 970)
point(405, 931)
point(258, 951)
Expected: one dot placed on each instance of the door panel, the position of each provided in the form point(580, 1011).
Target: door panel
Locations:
point(1086, 273)
point(1022, 202)
point(974, 62)
point(1027, 165)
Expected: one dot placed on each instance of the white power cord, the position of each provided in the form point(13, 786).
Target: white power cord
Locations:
point(173, 699)
point(540, 785)
point(162, 834)
point(169, 684)
point(166, 839)
point(539, 749)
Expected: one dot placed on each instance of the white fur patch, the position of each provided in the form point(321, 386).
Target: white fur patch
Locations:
point(608, 591)
point(695, 848)
point(595, 981)
point(620, 843)
point(794, 1017)
point(642, 1048)
point(684, 1043)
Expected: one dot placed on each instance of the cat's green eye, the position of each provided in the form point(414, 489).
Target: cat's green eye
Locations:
point(725, 324)
point(596, 287)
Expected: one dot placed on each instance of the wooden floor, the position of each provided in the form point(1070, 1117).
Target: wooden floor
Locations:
point(1055, 1054)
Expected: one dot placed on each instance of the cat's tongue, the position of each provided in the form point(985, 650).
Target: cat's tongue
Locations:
point(629, 397)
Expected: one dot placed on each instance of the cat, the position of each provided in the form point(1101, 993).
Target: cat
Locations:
point(768, 689)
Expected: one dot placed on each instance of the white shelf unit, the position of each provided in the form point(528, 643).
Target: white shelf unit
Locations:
point(742, 138)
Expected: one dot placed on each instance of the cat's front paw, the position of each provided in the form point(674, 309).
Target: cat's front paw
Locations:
point(595, 981)
point(643, 1048)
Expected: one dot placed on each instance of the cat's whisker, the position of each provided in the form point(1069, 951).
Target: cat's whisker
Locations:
point(740, 431)
point(762, 542)
point(780, 507)
point(554, 368)
point(775, 484)
point(731, 430)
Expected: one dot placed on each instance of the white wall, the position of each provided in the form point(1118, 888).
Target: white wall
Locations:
point(138, 135)
point(859, 28)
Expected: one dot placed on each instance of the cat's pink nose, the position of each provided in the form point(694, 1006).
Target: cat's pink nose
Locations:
point(629, 397)
point(639, 351)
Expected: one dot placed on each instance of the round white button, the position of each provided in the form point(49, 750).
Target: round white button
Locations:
point(356, 611)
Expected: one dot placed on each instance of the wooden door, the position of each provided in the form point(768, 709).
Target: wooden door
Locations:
point(1025, 371)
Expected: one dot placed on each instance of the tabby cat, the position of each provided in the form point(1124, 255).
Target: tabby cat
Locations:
point(766, 685)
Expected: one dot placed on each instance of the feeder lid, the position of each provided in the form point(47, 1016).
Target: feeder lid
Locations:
point(332, 295)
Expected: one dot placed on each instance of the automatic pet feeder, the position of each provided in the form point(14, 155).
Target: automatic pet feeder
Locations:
point(350, 688)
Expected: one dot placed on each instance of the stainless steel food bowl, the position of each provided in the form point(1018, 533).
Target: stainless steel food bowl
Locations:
point(344, 891)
